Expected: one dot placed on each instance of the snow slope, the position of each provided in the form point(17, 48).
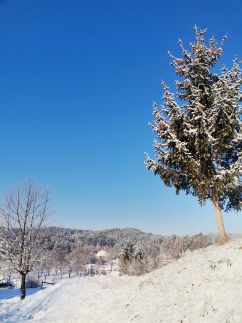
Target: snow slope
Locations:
point(203, 286)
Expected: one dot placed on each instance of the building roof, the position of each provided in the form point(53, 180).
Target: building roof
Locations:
point(102, 253)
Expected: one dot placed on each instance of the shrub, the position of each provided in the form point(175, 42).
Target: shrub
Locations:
point(6, 284)
point(32, 283)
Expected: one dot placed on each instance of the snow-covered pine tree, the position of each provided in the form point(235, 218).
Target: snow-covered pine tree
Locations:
point(199, 130)
point(126, 257)
point(133, 259)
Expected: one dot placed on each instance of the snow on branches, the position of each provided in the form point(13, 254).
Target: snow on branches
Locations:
point(199, 129)
point(23, 215)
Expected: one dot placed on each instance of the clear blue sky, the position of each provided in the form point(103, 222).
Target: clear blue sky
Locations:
point(77, 81)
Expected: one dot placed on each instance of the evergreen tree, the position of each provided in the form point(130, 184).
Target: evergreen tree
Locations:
point(133, 259)
point(126, 257)
point(199, 130)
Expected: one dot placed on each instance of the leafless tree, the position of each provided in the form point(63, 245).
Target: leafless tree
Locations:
point(23, 215)
point(78, 257)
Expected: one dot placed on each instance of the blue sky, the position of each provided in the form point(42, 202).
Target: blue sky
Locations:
point(77, 81)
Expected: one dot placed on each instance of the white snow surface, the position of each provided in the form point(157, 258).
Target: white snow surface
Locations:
point(203, 286)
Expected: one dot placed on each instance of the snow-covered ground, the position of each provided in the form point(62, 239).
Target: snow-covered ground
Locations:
point(203, 286)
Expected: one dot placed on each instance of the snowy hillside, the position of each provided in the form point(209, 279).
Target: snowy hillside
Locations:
point(203, 286)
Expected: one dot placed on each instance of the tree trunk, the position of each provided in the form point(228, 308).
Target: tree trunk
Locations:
point(223, 238)
point(23, 286)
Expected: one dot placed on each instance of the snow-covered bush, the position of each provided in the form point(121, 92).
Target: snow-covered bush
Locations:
point(176, 246)
point(133, 260)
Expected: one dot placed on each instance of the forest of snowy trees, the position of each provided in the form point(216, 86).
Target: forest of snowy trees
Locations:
point(69, 250)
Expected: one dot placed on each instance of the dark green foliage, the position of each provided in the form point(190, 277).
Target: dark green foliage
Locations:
point(199, 130)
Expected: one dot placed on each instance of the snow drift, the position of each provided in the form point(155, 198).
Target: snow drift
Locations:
point(203, 286)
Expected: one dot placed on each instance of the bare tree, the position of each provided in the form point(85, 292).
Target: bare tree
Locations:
point(78, 257)
point(23, 214)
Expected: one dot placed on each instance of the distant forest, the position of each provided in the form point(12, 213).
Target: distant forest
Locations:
point(69, 250)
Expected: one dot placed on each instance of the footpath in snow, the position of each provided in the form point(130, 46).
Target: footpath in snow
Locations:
point(203, 286)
